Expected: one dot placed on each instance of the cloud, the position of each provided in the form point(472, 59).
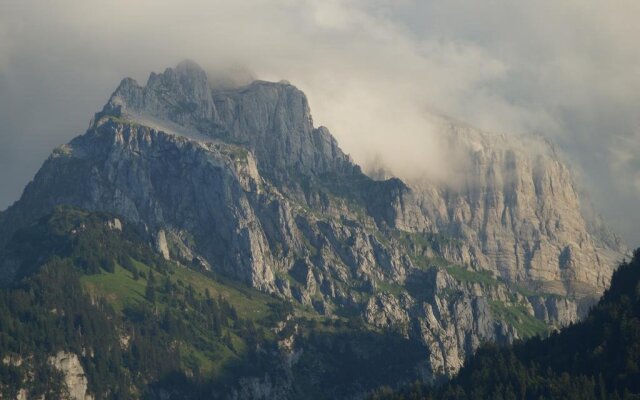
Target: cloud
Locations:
point(373, 70)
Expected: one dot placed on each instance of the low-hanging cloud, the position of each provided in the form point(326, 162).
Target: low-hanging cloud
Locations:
point(373, 71)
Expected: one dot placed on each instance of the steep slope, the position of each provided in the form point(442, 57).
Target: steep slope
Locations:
point(515, 207)
point(238, 181)
point(597, 358)
point(272, 120)
point(130, 324)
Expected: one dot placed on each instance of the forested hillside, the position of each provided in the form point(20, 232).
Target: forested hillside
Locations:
point(144, 327)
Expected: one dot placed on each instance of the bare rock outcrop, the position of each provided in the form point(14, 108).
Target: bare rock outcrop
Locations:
point(75, 379)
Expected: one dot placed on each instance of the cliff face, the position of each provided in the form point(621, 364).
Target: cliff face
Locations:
point(272, 120)
point(518, 214)
point(75, 379)
point(241, 182)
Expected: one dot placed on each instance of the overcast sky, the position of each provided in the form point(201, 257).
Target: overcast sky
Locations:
point(371, 68)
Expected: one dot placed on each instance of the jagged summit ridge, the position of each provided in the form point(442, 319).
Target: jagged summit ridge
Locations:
point(181, 95)
point(272, 119)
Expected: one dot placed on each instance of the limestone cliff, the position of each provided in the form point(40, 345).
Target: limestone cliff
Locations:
point(75, 379)
point(516, 210)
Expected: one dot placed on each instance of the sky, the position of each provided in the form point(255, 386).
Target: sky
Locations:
point(373, 70)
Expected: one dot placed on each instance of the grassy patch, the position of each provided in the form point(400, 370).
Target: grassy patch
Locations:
point(249, 303)
point(419, 245)
point(527, 292)
point(389, 287)
point(124, 121)
point(518, 317)
point(466, 275)
point(118, 288)
point(425, 263)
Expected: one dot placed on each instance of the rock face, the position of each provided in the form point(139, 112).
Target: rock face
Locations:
point(74, 382)
point(74, 378)
point(516, 209)
point(272, 120)
point(240, 181)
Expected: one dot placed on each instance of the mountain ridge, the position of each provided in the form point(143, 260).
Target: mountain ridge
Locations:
point(281, 132)
point(240, 182)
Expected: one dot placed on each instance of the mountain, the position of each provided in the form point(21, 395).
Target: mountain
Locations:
point(594, 359)
point(97, 313)
point(237, 182)
point(516, 208)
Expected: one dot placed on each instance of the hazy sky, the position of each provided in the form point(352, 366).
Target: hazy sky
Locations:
point(371, 68)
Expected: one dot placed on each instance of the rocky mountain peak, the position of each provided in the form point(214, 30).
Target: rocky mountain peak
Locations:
point(273, 120)
point(187, 82)
point(181, 95)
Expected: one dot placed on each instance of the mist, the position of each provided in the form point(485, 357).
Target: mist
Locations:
point(373, 72)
